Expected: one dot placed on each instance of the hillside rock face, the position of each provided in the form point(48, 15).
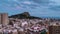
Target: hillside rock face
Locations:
point(24, 15)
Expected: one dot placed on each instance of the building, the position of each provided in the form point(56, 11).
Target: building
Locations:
point(4, 18)
point(0, 18)
point(54, 29)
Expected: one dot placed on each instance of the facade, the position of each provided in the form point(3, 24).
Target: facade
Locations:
point(4, 18)
point(0, 18)
point(54, 29)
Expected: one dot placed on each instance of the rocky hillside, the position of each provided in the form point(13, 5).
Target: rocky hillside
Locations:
point(24, 15)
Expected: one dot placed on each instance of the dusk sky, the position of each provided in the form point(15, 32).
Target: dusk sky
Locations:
point(39, 8)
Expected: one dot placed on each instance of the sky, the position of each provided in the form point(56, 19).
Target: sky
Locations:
point(39, 8)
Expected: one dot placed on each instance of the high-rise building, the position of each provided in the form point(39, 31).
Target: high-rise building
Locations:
point(54, 29)
point(4, 18)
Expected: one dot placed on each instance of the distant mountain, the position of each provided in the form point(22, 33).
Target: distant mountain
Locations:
point(24, 15)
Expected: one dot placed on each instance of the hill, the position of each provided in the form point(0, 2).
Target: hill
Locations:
point(24, 15)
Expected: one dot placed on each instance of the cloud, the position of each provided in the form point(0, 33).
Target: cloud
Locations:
point(27, 2)
point(57, 2)
point(42, 2)
point(55, 8)
point(54, 5)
